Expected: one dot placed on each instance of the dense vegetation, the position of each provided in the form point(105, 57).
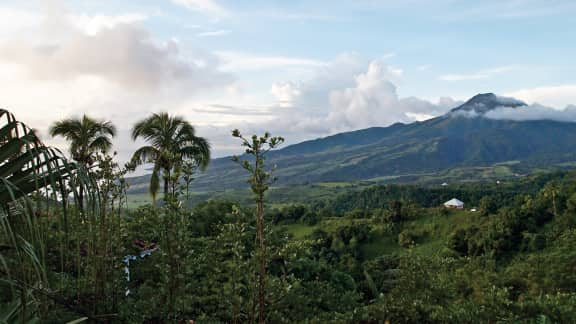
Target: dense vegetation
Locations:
point(381, 253)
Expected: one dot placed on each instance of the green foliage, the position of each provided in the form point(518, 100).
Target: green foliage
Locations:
point(188, 169)
point(259, 180)
point(406, 239)
point(257, 147)
point(54, 248)
point(171, 140)
point(87, 137)
point(487, 206)
point(292, 214)
point(396, 198)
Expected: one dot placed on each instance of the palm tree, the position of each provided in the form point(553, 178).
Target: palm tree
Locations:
point(172, 140)
point(87, 136)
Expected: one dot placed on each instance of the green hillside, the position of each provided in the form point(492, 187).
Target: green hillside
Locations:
point(456, 147)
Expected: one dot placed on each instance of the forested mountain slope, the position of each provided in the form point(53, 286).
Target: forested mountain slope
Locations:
point(463, 138)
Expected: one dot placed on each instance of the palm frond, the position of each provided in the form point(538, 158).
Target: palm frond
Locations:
point(100, 143)
point(86, 136)
point(145, 154)
point(198, 151)
point(171, 139)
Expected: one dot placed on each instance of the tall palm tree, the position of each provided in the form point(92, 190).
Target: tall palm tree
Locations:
point(172, 140)
point(87, 136)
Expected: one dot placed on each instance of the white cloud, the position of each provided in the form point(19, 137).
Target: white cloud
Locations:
point(556, 96)
point(340, 99)
point(367, 103)
point(419, 117)
point(286, 93)
point(513, 109)
point(204, 6)
point(313, 95)
point(214, 33)
point(484, 74)
point(15, 20)
point(534, 112)
point(92, 25)
point(239, 61)
point(115, 49)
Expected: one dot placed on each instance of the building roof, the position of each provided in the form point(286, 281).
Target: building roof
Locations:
point(454, 202)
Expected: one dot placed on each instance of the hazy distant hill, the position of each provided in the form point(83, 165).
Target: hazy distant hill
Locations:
point(462, 139)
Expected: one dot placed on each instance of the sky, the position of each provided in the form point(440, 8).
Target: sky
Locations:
point(301, 69)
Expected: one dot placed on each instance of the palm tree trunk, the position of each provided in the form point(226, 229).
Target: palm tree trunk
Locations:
point(81, 199)
point(166, 183)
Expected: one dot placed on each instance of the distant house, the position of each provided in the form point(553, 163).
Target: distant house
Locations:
point(454, 203)
point(444, 184)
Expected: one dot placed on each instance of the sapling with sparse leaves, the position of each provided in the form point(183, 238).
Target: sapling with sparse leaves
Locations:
point(260, 180)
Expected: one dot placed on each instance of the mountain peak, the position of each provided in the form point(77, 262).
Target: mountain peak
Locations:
point(484, 102)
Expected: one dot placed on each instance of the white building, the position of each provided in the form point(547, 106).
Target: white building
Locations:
point(454, 203)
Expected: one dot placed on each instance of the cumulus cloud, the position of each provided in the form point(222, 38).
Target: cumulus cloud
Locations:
point(350, 93)
point(91, 25)
point(117, 51)
point(367, 102)
point(14, 20)
point(285, 93)
point(314, 94)
point(60, 64)
point(374, 101)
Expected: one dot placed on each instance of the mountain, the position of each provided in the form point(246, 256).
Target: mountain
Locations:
point(459, 145)
point(484, 102)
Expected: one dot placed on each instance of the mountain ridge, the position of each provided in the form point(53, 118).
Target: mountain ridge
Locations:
point(484, 102)
point(404, 151)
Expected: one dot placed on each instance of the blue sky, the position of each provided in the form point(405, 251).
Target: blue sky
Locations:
point(301, 69)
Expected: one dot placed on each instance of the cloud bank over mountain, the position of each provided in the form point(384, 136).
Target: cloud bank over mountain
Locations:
point(349, 93)
point(534, 112)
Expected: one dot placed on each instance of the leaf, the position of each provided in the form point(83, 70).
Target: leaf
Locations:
point(26, 164)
